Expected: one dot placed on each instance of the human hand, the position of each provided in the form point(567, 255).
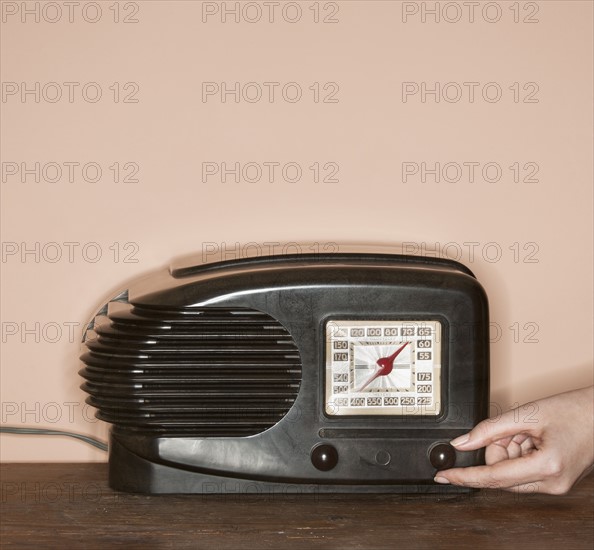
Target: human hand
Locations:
point(547, 449)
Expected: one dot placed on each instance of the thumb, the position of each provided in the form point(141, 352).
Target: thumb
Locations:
point(494, 429)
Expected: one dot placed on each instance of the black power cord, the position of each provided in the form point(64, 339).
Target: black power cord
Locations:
point(41, 431)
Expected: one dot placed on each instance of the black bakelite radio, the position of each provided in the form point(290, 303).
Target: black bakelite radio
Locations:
point(297, 373)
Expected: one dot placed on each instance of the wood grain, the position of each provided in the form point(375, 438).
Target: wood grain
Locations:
point(70, 505)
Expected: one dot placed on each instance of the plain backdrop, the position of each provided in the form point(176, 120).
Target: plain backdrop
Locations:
point(133, 178)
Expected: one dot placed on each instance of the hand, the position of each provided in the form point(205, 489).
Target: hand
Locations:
point(546, 446)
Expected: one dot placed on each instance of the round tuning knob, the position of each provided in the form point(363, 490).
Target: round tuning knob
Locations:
point(442, 456)
point(324, 457)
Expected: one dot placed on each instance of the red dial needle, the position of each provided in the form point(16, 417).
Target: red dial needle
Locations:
point(385, 364)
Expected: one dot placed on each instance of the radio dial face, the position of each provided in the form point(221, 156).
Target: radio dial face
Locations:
point(390, 368)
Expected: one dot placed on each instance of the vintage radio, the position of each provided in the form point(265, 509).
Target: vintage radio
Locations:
point(303, 373)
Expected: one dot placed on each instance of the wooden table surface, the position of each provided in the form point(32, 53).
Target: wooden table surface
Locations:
point(71, 506)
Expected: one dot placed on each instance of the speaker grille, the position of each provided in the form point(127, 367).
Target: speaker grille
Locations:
point(204, 372)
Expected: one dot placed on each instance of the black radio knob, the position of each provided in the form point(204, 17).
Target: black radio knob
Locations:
point(442, 456)
point(324, 457)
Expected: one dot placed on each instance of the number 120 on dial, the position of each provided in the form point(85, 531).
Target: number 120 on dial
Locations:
point(383, 367)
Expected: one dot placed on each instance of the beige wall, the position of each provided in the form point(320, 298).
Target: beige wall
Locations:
point(533, 250)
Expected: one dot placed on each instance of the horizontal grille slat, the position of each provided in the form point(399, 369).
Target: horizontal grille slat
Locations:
point(182, 404)
point(203, 381)
point(190, 371)
point(188, 389)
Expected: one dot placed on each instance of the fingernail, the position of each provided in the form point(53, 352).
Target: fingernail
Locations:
point(438, 479)
point(459, 441)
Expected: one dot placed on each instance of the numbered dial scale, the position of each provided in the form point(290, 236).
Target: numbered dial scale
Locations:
point(383, 368)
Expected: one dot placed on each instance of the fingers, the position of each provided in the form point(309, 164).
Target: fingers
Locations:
point(504, 474)
point(508, 448)
point(495, 454)
point(491, 430)
point(528, 445)
point(521, 439)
